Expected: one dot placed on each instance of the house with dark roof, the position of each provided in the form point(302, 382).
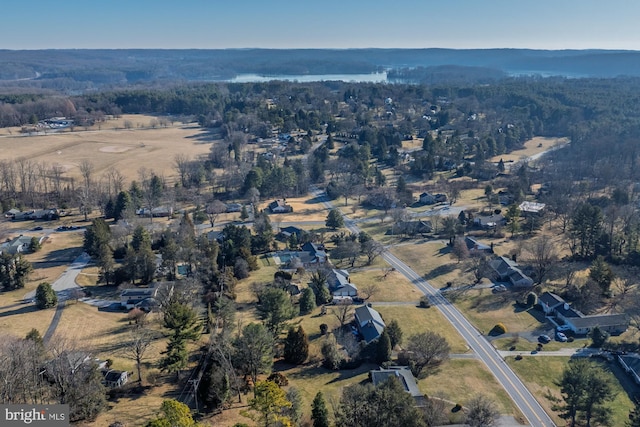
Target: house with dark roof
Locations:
point(508, 270)
point(404, 376)
point(580, 324)
point(549, 301)
point(476, 247)
point(369, 323)
point(286, 232)
point(340, 285)
point(427, 199)
point(114, 379)
point(280, 206)
point(130, 297)
point(631, 365)
point(316, 252)
point(412, 228)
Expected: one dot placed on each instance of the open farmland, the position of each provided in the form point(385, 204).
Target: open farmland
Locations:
point(111, 145)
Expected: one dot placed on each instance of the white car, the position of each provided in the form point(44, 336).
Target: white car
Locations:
point(561, 337)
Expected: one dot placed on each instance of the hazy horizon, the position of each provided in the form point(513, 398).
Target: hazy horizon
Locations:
point(331, 24)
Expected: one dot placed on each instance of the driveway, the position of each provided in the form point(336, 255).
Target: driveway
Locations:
point(66, 283)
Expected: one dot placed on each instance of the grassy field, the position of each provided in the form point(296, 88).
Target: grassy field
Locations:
point(531, 148)
point(459, 380)
point(395, 287)
point(540, 373)
point(413, 320)
point(111, 145)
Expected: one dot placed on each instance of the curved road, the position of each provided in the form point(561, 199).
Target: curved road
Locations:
point(522, 397)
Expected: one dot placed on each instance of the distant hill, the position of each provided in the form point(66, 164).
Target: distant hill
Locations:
point(83, 70)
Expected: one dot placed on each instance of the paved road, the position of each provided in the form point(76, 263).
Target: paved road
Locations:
point(522, 397)
point(67, 281)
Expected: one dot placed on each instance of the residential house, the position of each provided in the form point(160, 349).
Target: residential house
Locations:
point(403, 374)
point(427, 199)
point(505, 197)
point(340, 285)
point(280, 206)
point(11, 213)
point(130, 297)
point(531, 208)
point(549, 301)
point(440, 198)
point(508, 270)
point(286, 232)
point(40, 214)
point(580, 324)
point(489, 221)
point(316, 253)
point(157, 212)
point(476, 247)
point(18, 245)
point(412, 228)
point(369, 323)
point(631, 365)
point(233, 207)
point(113, 378)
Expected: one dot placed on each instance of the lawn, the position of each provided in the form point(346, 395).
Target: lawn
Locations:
point(413, 320)
point(485, 309)
point(393, 287)
point(540, 373)
point(433, 261)
point(459, 380)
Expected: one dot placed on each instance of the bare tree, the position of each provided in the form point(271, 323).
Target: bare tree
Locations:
point(343, 312)
point(543, 255)
point(368, 290)
point(482, 412)
point(214, 209)
point(372, 250)
point(140, 339)
point(181, 162)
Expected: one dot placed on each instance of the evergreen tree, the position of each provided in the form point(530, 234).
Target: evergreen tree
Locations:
point(307, 301)
point(319, 411)
point(334, 219)
point(271, 403)
point(395, 333)
point(182, 321)
point(45, 296)
point(296, 346)
point(383, 348)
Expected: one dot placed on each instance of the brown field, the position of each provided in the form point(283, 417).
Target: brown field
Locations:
point(413, 320)
point(459, 380)
point(112, 145)
point(531, 148)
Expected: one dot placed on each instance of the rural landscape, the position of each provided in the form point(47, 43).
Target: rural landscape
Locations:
point(460, 247)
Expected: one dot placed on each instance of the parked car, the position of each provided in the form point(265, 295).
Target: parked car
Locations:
point(561, 337)
point(38, 228)
point(544, 339)
point(563, 328)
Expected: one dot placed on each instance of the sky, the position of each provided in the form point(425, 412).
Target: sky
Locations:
point(218, 24)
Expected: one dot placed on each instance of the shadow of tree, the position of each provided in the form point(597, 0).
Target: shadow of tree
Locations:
point(57, 257)
point(23, 310)
point(440, 271)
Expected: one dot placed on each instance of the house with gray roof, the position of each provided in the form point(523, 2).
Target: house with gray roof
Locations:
point(369, 323)
point(339, 283)
point(508, 270)
point(403, 375)
point(580, 324)
point(17, 245)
